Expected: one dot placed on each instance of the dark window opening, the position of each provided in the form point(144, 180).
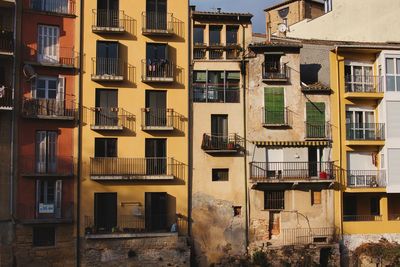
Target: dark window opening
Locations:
point(220, 175)
point(272, 63)
point(274, 200)
point(375, 209)
point(316, 197)
point(43, 236)
point(215, 35)
point(198, 35)
point(232, 35)
point(105, 147)
point(237, 210)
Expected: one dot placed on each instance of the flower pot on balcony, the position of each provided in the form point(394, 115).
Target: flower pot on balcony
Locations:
point(231, 146)
point(323, 176)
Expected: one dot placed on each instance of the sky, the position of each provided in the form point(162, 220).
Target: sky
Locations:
point(256, 7)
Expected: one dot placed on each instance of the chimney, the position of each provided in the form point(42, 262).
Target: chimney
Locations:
point(192, 8)
point(219, 10)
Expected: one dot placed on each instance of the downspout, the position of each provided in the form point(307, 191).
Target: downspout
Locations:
point(190, 128)
point(80, 114)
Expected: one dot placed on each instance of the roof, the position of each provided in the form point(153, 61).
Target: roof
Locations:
point(315, 87)
point(215, 15)
point(285, 2)
point(291, 143)
point(277, 42)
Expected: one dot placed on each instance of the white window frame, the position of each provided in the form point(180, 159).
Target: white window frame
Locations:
point(364, 82)
point(364, 110)
point(396, 73)
point(48, 43)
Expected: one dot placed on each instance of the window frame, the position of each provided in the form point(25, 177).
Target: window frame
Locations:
point(279, 196)
point(225, 173)
point(395, 74)
point(38, 241)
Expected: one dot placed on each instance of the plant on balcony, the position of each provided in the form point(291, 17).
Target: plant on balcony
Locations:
point(231, 145)
point(323, 175)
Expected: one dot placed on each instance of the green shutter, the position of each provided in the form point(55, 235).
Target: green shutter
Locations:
point(274, 100)
point(315, 119)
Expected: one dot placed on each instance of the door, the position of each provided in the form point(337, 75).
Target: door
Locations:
point(46, 153)
point(156, 14)
point(156, 108)
point(157, 60)
point(156, 157)
point(219, 131)
point(105, 211)
point(105, 147)
point(156, 211)
point(108, 13)
point(315, 118)
point(349, 207)
point(313, 162)
point(107, 58)
point(48, 44)
point(106, 113)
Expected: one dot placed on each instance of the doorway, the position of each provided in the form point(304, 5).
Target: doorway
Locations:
point(156, 211)
point(105, 211)
point(106, 107)
point(156, 156)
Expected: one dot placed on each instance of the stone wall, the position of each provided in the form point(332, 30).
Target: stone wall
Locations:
point(139, 250)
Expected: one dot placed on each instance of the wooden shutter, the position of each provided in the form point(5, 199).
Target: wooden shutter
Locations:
point(315, 113)
point(41, 151)
point(274, 100)
point(38, 194)
point(60, 88)
point(52, 151)
point(58, 199)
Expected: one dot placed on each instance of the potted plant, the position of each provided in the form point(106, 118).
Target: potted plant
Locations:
point(323, 175)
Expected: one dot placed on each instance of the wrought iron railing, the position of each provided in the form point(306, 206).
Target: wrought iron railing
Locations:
point(6, 97)
point(66, 7)
point(305, 236)
point(159, 23)
point(45, 212)
point(318, 130)
point(46, 164)
point(275, 71)
point(394, 216)
point(104, 118)
point(157, 118)
point(199, 53)
point(108, 68)
point(281, 117)
point(230, 142)
point(6, 40)
point(52, 55)
point(365, 131)
point(363, 84)
point(158, 71)
point(215, 93)
point(272, 171)
point(366, 178)
point(49, 108)
point(232, 53)
point(111, 20)
point(361, 218)
point(149, 168)
point(215, 53)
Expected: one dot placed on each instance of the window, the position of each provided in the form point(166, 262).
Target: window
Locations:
point(274, 101)
point(374, 206)
point(48, 44)
point(48, 197)
point(106, 113)
point(232, 35)
point(49, 88)
point(107, 58)
point(220, 175)
point(215, 35)
point(360, 124)
point(316, 197)
point(46, 151)
point(328, 5)
point(216, 86)
point(274, 200)
point(43, 236)
point(272, 64)
point(107, 13)
point(392, 74)
point(105, 147)
point(156, 11)
point(59, 6)
point(315, 120)
point(198, 35)
point(359, 78)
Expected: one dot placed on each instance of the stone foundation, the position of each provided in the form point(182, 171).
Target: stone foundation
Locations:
point(135, 250)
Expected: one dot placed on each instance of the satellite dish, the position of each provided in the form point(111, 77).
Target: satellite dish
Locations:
point(283, 12)
point(282, 27)
point(29, 72)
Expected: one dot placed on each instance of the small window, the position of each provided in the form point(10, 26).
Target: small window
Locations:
point(43, 236)
point(215, 35)
point(237, 210)
point(220, 175)
point(274, 200)
point(198, 35)
point(316, 197)
point(232, 35)
point(105, 147)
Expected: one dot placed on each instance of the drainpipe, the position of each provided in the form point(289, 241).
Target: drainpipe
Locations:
point(190, 128)
point(80, 114)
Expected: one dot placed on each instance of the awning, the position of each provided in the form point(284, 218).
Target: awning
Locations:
point(291, 143)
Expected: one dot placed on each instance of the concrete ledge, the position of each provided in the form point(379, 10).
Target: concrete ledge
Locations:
point(129, 235)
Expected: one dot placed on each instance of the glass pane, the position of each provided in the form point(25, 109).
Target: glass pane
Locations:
point(390, 66)
point(368, 71)
point(52, 84)
point(231, 35)
point(357, 70)
point(41, 83)
point(398, 65)
point(215, 35)
point(198, 37)
point(398, 82)
point(390, 83)
point(52, 94)
point(40, 93)
point(369, 117)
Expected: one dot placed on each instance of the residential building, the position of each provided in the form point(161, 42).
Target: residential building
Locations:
point(365, 109)
point(134, 180)
point(291, 171)
point(219, 44)
point(46, 120)
point(289, 12)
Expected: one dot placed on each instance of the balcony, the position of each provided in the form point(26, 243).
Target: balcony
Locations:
point(157, 119)
point(159, 23)
point(6, 41)
point(6, 98)
point(357, 132)
point(362, 218)
point(46, 166)
point(216, 52)
point(291, 172)
point(306, 236)
point(160, 72)
point(140, 169)
point(366, 178)
point(199, 53)
point(215, 93)
point(57, 56)
point(275, 72)
point(277, 118)
point(45, 213)
point(232, 143)
point(318, 130)
point(394, 217)
point(48, 109)
point(112, 119)
point(61, 7)
point(111, 21)
point(366, 87)
point(232, 52)
point(108, 69)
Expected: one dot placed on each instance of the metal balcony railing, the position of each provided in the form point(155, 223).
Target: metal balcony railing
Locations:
point(273, 171)
point(6, 98)
point(45, 108)
point(318, 130)
point(366, 178)
point(222, 143)
point(158, 71)
point(394, 217)
point(232, 53)
point(159, 23)
point(6, 41)
point(149, 168)
point(161, 119)
point(108, 69)
point(362, 218)
point(52, 55)
point(66, 7)
point(363, 84)
point(106, 118)
point(215, 93)
point(46, 165)
point(305, 236)
point(45, 213)
point(365, 131)
point(199, 53)
point(277, 117)
point(110, 21)
point(216, 53)
point(275, 71)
